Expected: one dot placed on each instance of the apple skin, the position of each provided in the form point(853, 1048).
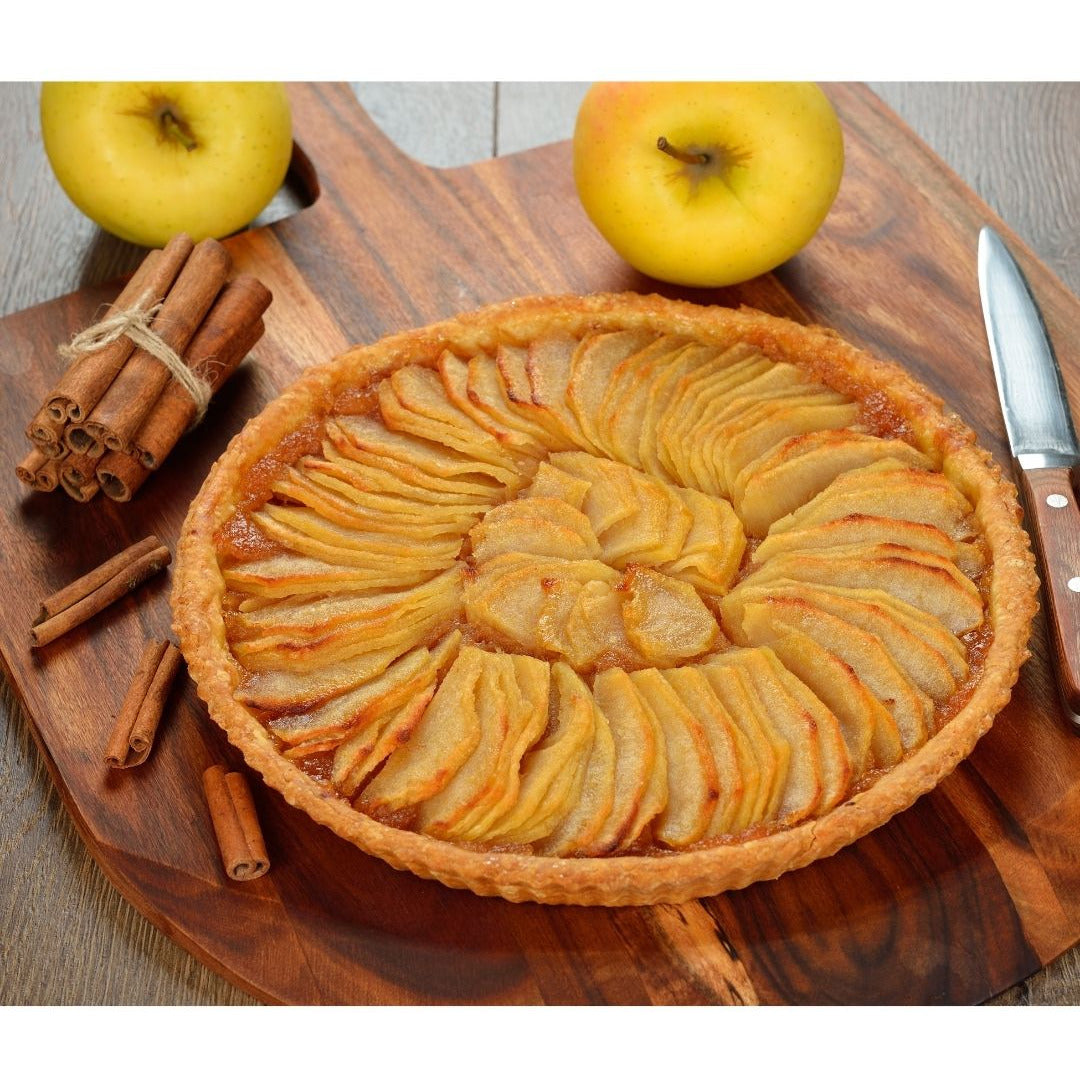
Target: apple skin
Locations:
point(121, 168)
point(776, 157)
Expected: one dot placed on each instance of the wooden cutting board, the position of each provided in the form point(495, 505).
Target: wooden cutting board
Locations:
point(974, 888)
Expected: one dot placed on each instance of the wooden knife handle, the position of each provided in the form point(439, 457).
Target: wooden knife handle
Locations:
point(1054, 520)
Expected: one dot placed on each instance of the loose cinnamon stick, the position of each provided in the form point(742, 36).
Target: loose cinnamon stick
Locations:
point(131, 573)
point(140, 382)
point(88, 377)
point(88, 583)
point(137, 722)
point(38, 471)
point(236, 824)
point(231, 329)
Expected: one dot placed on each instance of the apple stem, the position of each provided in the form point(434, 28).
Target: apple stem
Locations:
point(174, 128)
point(684, 156)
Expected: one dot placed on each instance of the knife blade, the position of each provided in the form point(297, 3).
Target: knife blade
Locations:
point(1045, 450)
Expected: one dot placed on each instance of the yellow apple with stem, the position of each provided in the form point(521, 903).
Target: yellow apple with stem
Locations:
point(148, 160)
point(707, 184)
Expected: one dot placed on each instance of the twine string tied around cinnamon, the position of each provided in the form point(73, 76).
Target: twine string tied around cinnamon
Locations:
point(135, 323)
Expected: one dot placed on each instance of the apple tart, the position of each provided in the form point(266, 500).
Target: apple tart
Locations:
point(604, 600)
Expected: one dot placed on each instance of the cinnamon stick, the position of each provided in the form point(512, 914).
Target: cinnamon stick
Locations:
point(131, 573)
point(81, 386)
point(231, 329)
point(137, 722)
point(140, 382)
point(80, 492)
point(84, 586)
point(236, 824)
point(39, 471)
point(45, 430)
point(120, 475)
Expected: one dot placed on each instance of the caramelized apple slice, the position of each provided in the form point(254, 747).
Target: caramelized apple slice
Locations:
point(528, 698)
point(591, 368)
point(932, 585)
point(487, 389)
point(444, 739)
point(512, 363)
point(666, 621)
point(619, 418)
point(655, 532)
point(765, 620)
point(803, 788)
point(869, 729)
point(478, 778)
point(578, 829)
point(454, 373)
point(365, 750)
point(764, 769)
point(548, 366)
point(771, 422)
point(377, 697)
point(593, 631)
point(552, 772)
point(419, 460)
point(769, 489)
point(729, 750)
point(537, 525)
point(611, 497)
point(640, 782)
point(412, 400)
point(693, 790)
point(553, 483)
point(887, 490)
point(713, 549)
point(868, 529)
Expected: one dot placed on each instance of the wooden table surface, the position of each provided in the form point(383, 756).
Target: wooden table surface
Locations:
point(66, 936)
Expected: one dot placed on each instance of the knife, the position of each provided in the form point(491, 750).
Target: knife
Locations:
point(1044, 447)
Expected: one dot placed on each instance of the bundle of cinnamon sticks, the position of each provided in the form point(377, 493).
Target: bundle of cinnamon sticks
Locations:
point(143, 375)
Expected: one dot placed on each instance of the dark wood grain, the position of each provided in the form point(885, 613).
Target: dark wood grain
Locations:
point(973, 889)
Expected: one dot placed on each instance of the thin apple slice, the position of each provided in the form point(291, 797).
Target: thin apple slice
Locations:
point(765, 620)
point(593, 632)
point(487, 390)
point(429, 461)
point(363, 752)
point(529, 699)
point(611, 497)
point(311, 618)
point(578, 829)
point(552, 772)
point(657, 529)
point(512, 362)
point(714, 546)
point(934, 586)
point(870, 529)
point(537, 524)
point(803, 788)
point(454, 372)
point(444, 739)
point(887, 489)
point(666, 621)
point(771, 422)
point(696, 363)
point(640, 781)
point(927, 667)
point(765, 766)
point(869, 729)
point(729, 750)
point(693, 789)
point(412, 401)
point(553, 483)
point(767, 490)
point(684, 396)
point(478, 777)
point(287, 575)
point(618, 419)
point(548, 366)
point(591, 367)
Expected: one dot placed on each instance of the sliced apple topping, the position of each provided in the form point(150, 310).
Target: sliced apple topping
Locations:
point(515, 604)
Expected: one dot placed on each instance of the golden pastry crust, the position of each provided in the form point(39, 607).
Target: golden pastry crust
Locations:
point(661, 877)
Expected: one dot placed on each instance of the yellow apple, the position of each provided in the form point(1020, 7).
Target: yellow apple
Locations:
point(707, 184)
point(148, 160)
